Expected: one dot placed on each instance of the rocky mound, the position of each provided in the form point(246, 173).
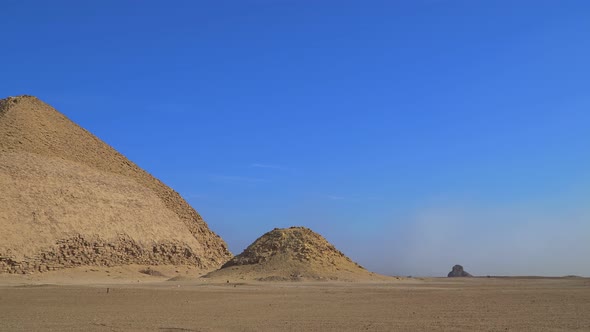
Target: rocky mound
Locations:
point(68, 199)
point(458, 272)
point(295, 253)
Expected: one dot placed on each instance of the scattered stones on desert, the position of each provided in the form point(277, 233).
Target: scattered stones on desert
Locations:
point(90, 241)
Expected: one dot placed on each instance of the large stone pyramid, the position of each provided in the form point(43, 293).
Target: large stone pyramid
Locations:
point(291, 254)
point(68, 199)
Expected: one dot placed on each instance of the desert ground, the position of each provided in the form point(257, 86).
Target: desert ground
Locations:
point(175, 299)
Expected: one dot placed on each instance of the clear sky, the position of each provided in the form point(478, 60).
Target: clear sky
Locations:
point(414, 135)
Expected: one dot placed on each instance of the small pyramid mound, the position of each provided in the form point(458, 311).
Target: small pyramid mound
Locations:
point(291, 254)
point(68, 199)
point(458, 272)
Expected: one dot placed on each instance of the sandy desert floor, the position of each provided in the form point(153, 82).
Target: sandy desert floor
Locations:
point(139, 302)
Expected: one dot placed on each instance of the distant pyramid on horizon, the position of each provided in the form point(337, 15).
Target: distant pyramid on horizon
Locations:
point(291, 254)
point(458, 272)
point(68, 199)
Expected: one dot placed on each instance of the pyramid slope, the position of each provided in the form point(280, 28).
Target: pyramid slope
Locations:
point(69, 199)
point(292, 254)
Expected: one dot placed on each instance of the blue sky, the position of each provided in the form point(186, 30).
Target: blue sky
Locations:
point(414, 135)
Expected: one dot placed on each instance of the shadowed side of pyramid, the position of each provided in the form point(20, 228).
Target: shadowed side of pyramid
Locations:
point(69, 199)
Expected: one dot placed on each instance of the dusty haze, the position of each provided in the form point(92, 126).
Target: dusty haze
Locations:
point(486, 242)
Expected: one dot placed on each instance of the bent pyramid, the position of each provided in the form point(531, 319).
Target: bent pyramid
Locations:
point(295, 253)
point(68, 199)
